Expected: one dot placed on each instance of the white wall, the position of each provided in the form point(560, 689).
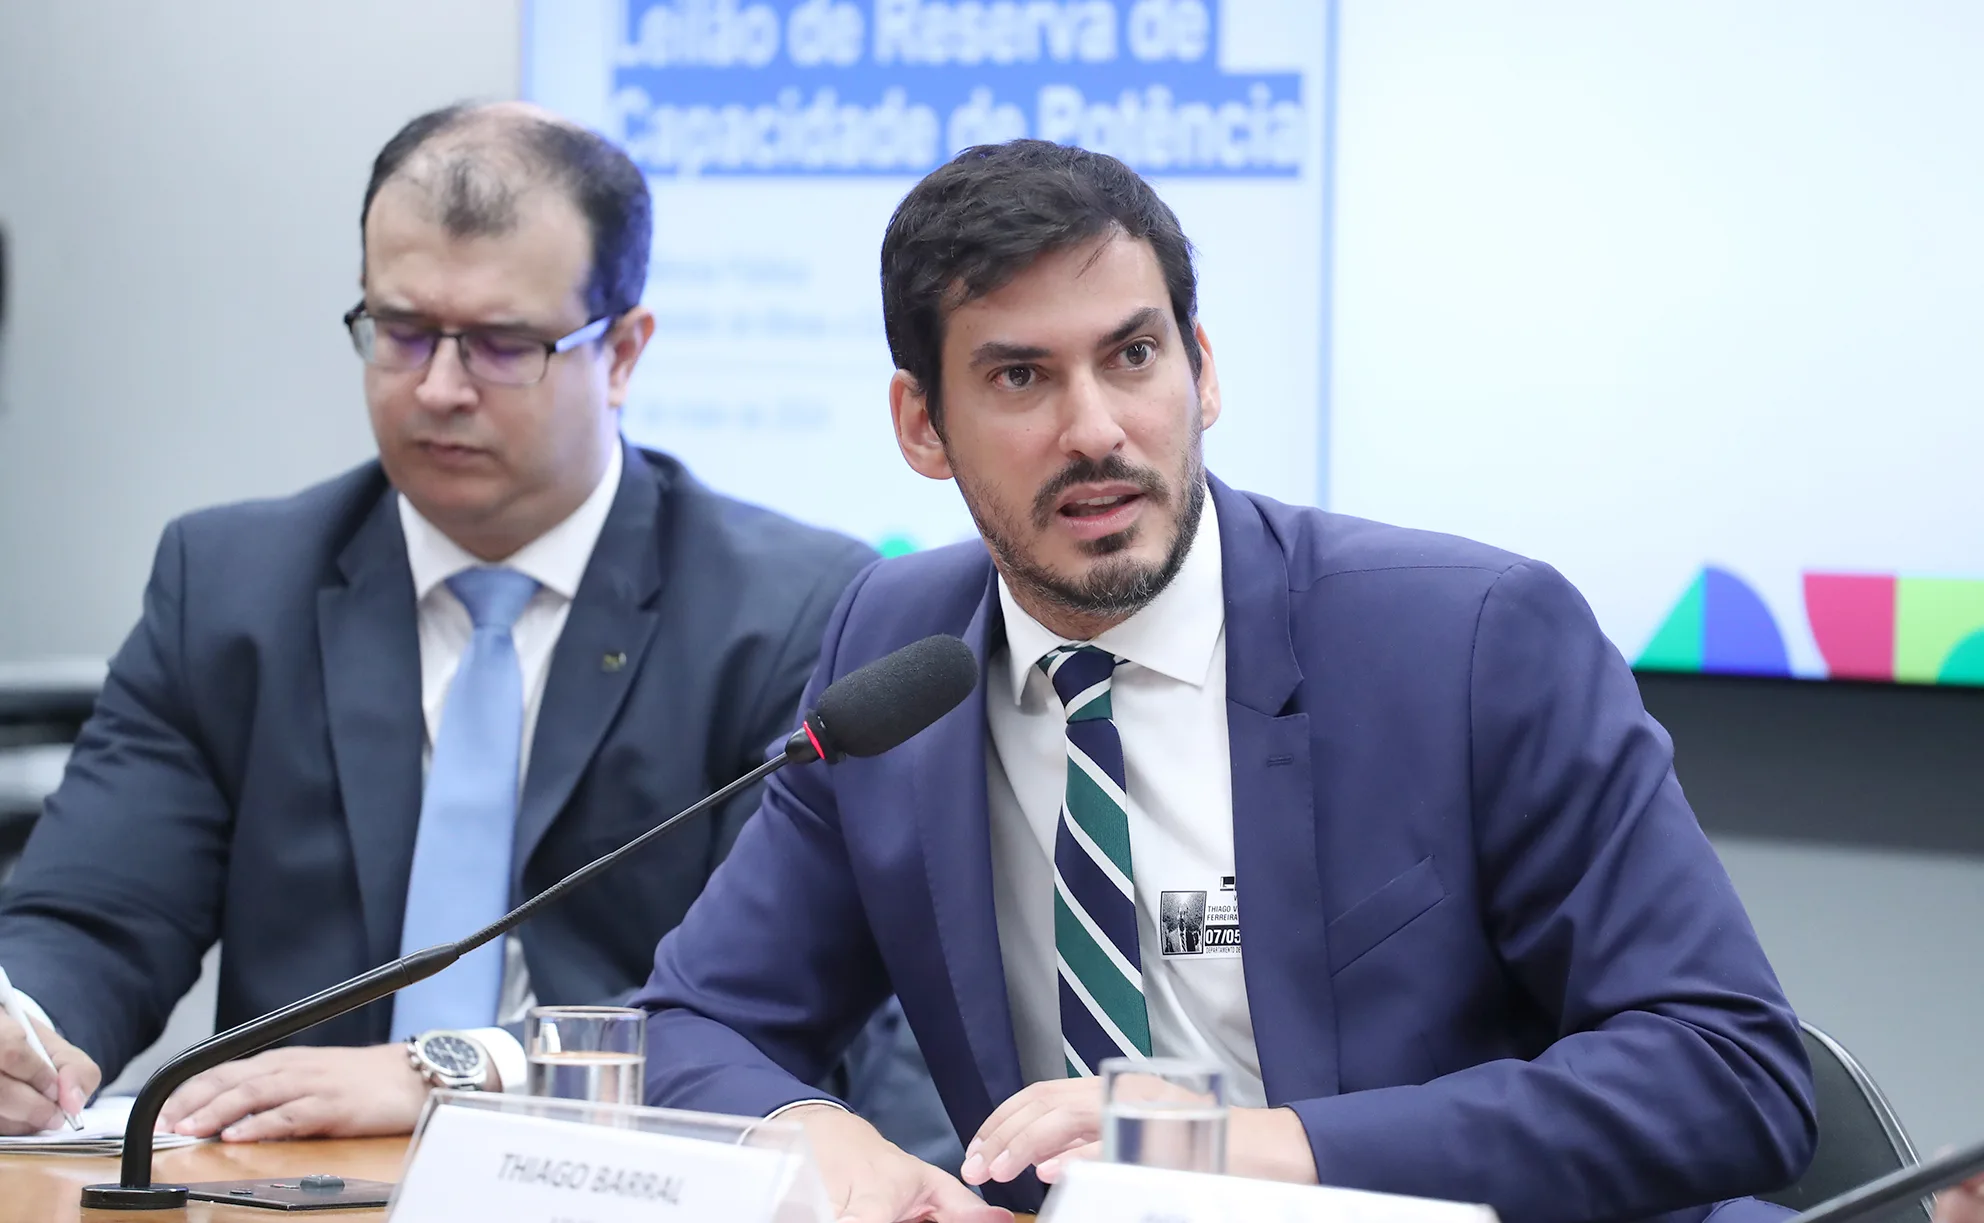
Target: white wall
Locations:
point(180, 185)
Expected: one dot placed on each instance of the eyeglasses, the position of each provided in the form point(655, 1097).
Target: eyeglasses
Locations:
point(490, 354)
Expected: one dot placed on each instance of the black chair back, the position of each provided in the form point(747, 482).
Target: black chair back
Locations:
point(43, 706)
point(1860, 1138)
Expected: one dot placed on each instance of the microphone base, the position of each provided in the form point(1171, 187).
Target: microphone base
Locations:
point(131, 1197)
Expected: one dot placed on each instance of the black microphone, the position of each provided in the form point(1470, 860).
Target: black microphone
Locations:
point(870, 710)
point(863, 713)
point(1901, 1185)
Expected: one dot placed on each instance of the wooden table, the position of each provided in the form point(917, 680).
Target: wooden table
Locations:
point(44, 1188)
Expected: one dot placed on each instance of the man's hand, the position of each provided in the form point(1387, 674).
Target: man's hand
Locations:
point(1045, 1125)
point(1048, 1125)
point(1961, 1203)
point(871, 1180)
point(33, 1097)
point(301, 1093)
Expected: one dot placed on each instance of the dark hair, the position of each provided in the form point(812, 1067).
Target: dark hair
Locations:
point(481, 176)
point(982, 218)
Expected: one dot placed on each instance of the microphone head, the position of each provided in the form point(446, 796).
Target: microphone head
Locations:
point(873, 708)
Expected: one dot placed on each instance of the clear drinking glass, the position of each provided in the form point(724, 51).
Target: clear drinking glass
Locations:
point(596, 1053)
point(1164, 1112)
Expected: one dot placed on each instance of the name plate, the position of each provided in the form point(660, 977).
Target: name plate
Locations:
point(1092, 1192)
point(499, 1166)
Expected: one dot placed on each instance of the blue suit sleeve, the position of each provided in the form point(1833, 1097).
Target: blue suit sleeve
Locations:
point(773, 971)
point(117, 896)
point(1677, 1077)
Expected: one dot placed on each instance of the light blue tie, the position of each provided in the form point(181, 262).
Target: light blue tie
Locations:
point(461, 854)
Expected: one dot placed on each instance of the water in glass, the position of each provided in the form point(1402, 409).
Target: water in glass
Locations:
point(1155, 1135)
point(584, 1074)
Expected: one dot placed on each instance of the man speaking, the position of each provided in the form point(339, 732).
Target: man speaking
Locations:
point(1479, 948)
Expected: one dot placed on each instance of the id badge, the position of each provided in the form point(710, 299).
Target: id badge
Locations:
point(1199, 921)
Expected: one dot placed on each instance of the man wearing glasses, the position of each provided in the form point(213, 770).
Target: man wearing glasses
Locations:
point(373, 716)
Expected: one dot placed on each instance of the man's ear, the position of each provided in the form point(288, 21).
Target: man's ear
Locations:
point(916, 433)
point(624, 342)
point(1208, 379)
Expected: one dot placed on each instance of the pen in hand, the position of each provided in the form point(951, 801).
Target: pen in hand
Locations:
point(19, 1014)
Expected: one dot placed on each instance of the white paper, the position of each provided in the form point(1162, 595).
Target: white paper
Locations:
point(1093, 1192)
point(503, 1167)
point(102, 1134)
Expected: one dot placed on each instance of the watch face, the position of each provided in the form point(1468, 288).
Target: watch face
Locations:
point(451, 1054)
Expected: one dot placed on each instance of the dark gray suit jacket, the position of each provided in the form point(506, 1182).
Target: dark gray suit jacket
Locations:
point(252, 772)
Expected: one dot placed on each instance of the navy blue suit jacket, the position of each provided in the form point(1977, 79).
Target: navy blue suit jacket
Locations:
point(1489, 954)
point(252, 772)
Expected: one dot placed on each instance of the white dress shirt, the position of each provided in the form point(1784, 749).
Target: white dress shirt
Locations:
point(557, 559)
point(1168, 700)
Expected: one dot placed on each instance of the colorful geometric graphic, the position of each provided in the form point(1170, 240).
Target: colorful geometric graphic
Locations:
point(1965, 665)
point(1915, 630)
point(1719, 625)
point(895, 545)
point(1852, 619)
point(1874, 626)
point(1935, 620)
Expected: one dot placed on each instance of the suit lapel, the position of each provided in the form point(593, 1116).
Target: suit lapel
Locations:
point(947, 775)
point(369, 641)
point(599, 652)
point(1286, 960)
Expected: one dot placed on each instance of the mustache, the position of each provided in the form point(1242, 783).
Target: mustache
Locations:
point(1089, 471)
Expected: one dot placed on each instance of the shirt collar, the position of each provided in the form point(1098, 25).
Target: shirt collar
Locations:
point(1176, 634)
point(557, 559)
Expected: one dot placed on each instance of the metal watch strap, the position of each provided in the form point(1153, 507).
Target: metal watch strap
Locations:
point(428, 1074)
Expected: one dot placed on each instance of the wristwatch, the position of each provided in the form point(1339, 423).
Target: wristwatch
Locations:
point(451, 1060)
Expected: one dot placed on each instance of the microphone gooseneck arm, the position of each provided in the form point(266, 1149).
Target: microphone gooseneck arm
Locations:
point(1901, 1185)
point(517, 916)
point(135, 1191)
point(259, 1033)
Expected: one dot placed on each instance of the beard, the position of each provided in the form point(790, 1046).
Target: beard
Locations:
point(1111, 589)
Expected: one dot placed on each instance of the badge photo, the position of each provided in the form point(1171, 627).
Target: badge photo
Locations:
point(1199, 921)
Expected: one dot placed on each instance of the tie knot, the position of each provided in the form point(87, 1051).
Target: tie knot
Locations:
point(494, 596)
point(1081, 675)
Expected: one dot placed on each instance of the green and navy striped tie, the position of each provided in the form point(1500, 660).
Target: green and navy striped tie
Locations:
point(1095, 906)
